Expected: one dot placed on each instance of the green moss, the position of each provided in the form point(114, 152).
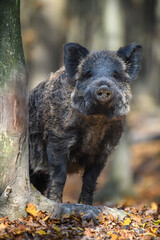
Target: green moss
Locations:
point(6, 145)
point(6, 154)
point(11, 50)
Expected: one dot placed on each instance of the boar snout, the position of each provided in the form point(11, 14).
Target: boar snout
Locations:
point(103, 94)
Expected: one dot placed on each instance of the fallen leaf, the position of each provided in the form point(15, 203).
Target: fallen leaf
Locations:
point(57, 228)
point(47, 217)
point(152, 234)
point(2, 226)
point(31, 209)
point(144, 224)
point(156, 222)
point(41, 232)
point(154, 206)
point(87, 232)
point(127, 221)
point(114, 237)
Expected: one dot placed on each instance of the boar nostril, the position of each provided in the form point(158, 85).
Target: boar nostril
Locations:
point(103, 94)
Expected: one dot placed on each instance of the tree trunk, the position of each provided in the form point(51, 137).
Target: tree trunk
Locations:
point(15, 187)
point(13, 111)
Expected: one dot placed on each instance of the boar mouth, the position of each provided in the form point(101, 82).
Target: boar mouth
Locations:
point(88, 106)
point(93, 109)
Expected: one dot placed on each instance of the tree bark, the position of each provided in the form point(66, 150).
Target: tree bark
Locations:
point(15, 187)
point(14, 175)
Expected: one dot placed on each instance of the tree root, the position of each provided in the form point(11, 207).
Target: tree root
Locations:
point(14, 205)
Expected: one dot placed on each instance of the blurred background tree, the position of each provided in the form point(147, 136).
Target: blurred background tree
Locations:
point(105, 24)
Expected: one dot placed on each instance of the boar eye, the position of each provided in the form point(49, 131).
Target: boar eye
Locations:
point(115, 75)
point(88, 74)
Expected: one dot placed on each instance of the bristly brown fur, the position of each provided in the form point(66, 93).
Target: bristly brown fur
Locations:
point(77, 117)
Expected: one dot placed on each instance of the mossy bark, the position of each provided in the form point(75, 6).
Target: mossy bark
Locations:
point(11, 51)
point(13, 112)
point(15, 189)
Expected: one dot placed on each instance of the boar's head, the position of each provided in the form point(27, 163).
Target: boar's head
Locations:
point(101, 79)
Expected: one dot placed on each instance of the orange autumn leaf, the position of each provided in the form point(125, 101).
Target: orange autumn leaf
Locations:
point(111, 217)
point(47, 217)
point(153, 230)
point(114, 236)
point(2, 226)
point(31, 209)
point(136, 218)
point(101, 218)
point(154, 206)
point(127, 221)
point(87, 232)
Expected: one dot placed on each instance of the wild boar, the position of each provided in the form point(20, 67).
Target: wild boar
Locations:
point(77, 116)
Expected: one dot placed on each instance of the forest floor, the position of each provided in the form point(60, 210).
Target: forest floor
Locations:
point(142, 210)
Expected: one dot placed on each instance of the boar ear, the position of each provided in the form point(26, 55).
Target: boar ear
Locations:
point(73, 54)
point(132, 55)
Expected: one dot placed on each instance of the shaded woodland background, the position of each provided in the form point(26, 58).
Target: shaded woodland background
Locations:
point(134, 172)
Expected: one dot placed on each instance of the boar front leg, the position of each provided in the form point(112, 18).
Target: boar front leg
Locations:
point(57, 172)
point(90, 176)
